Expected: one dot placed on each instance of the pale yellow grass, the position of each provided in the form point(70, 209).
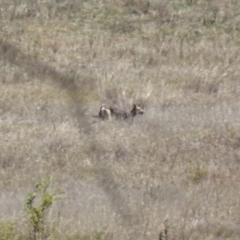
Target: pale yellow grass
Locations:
point(60, 62)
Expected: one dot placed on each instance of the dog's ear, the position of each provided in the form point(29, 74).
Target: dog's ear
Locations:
point(134, 110)
point(100, 111)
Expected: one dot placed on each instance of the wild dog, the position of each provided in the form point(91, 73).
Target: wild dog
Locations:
point(108, 113)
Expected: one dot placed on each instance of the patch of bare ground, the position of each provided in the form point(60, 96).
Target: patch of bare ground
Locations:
point(179, 60)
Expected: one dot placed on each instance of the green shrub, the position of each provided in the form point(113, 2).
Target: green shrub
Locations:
point(36, 213)
point(6, 230)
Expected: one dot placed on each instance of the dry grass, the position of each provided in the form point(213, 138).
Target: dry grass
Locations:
point(61, 60)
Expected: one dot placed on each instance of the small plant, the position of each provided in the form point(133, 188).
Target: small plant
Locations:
point(164, 231)
point(6, 230)
point(36, 213)
point(195, 172)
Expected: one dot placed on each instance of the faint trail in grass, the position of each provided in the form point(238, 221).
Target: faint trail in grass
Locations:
point(67, 81)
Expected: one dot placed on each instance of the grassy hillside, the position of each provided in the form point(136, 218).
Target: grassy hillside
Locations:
point(60, 60)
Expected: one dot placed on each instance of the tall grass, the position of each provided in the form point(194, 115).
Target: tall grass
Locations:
point(179, 60)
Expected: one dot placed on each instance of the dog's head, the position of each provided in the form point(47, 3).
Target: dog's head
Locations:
point(137, 110)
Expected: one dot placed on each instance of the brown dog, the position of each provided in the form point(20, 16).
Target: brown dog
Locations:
point(108, 113)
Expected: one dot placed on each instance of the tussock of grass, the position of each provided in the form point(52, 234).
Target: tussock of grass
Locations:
point(61, 60)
